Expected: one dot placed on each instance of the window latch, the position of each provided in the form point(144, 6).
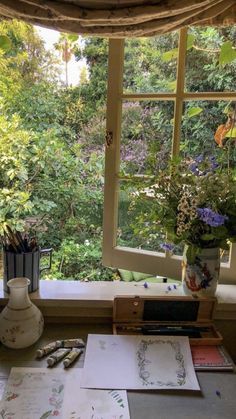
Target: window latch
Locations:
point(109, 138)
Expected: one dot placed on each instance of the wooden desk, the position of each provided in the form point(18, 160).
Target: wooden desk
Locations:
point(143, 404)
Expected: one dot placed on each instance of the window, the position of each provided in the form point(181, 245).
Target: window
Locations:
point(178, 97)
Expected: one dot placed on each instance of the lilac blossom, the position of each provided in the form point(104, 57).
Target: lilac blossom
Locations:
point(210, 217)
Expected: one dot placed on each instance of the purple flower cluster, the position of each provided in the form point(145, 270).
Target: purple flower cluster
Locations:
point(135, 153)
point(210, 217)
point(201, 167)
point(167, 247)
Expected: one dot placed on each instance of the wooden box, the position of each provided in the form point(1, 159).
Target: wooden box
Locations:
point(168, 315)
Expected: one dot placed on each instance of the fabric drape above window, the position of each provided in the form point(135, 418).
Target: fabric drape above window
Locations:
point(120, 18)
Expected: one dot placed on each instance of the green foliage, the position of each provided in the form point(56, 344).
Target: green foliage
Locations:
point(227, 53)
point(52, 138)
point(5, 43)
point(194, 111)
point(50, 183)
point(93, 94)
point(27, 59)
point(80, 261)
point(15, 202)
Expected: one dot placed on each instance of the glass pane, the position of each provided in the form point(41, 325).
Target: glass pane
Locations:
point(200, 124)
point(211, 59)
point(133, 231)
point(146, 136)
point(147, 64)
point(145, 149)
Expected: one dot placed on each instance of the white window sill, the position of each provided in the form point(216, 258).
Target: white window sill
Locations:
point(89, 300)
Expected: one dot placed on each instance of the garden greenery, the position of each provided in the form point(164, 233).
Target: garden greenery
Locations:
point(52, 138)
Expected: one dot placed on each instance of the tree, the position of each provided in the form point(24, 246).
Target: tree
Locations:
point(67, 44)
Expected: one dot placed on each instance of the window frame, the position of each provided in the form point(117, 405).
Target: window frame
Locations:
point(163, 264)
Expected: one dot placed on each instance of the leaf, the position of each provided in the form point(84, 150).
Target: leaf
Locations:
point(170, 55)
point(194, 111)
point(61, 388)
point(72, 37)
point(224, 245)
point(191, 254)
point(171, 85)
point(46, 414)
point(207, 237)
point(227, 53)
point(5, 43)
point(190, 41)
point(220, 232)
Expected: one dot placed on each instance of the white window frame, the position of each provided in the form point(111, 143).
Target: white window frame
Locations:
point(163, 264)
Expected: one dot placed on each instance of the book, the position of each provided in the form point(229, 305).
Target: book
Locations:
point(210, 357)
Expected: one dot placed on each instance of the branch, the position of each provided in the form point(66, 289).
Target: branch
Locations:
point(212, 51)
point(33, 176)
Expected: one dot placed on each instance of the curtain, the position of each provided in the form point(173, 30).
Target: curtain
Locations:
point(120, 18)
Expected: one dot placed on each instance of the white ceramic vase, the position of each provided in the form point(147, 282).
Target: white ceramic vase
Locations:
point(201, 278)
point(21, 322)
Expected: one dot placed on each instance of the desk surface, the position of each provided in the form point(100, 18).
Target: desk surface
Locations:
point(143, 404)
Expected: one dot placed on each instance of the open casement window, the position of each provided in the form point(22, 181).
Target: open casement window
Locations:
point(157, 114)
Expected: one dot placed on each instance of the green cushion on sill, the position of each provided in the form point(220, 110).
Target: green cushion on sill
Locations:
point(139, 276)
point(129, 276)
point(126, 276)
point(154, 280)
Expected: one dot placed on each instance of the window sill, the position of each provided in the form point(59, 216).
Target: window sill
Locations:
point(89, 301)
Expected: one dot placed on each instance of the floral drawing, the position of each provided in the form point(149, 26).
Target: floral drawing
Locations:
point(10, 334)
point(55, 401)
point(11, 396)
point(117, 397)
point(5, 414)
point(143, 363)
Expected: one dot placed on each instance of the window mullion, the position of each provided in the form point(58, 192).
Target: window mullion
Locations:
point(112, 158)
point(179, 91)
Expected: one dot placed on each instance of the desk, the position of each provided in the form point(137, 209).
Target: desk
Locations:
point(143, 404)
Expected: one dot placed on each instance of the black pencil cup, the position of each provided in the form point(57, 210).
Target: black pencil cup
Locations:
point(25, 265)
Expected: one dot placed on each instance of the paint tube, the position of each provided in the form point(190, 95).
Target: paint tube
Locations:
point(47, 349)
point(71, 343)
point(57, 356)
point(72, 356)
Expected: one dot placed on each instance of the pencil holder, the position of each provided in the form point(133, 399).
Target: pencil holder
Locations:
point(26, 265)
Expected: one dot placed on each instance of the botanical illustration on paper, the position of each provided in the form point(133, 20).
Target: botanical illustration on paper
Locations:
point(55, 401)
point(6, 414)
point(145, 365)
point(94, 408)
point(32, 392)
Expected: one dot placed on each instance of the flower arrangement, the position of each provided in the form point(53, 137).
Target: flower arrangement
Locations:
point(193, 202)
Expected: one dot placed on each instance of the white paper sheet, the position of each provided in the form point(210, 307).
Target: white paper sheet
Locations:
point(138, 362)
point(93, 404)
point(3, 382)
point(33, 393)
point(40, 393)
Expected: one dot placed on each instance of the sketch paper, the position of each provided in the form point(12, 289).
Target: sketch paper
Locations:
point(33, 393)
point(93, 404)
point(3, 382)
point(40, 393)
point(138, 362)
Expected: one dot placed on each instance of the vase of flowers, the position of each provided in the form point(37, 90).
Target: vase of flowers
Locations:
point(193, 202)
